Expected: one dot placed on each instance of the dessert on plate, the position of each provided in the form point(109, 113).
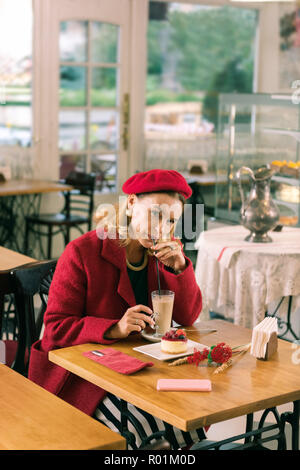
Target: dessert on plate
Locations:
point(174, 342)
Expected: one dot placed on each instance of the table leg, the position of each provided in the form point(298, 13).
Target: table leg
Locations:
point(20, 206)
point(129, 436)
point(292, 417)
point(249, 427)
point(126, 417)
point(286, 326)
point(7, 221)
point(280, 437)
point(253, 438)
point(157, 435)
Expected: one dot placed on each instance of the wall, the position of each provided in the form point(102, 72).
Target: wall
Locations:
point(268, 50)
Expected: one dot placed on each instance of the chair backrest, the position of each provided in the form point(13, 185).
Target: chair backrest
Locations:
point(29, 280)
point(81, 198)
point(7, 287)
point(7, 291)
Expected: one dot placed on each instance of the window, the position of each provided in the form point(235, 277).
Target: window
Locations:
point(15, 73)
point(89, 108)
point(194, 52)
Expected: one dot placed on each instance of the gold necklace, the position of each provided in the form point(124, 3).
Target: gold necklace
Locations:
point(138, 268)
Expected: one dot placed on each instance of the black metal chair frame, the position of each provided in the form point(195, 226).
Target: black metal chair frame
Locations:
point(8, 288)
point(77, 201)
point(24, 282)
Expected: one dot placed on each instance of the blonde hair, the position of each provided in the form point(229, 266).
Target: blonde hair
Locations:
point(113, 220)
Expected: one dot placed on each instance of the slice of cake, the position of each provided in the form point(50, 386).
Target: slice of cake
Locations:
point(174, 342)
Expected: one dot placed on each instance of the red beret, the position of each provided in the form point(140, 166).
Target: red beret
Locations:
point(157, 180)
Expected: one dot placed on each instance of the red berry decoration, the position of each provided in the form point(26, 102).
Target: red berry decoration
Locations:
point(180, 333)
point(198, 356)
point(175, 335)
point(220, 353)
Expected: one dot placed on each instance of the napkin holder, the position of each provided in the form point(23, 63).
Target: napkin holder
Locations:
point(264, 342)
point(272, 346)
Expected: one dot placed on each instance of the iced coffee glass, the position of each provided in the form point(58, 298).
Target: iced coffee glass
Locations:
point(162, 302)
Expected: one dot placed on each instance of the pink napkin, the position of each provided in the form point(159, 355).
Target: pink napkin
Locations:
point(118, 361)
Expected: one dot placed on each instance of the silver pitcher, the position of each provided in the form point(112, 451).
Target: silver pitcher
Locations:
point(259, 213)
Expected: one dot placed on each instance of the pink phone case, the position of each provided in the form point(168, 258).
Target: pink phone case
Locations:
point(192, 385)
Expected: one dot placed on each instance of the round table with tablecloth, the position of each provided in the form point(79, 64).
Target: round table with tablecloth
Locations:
point(240, 279)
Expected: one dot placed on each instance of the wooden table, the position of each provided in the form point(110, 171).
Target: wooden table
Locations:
point(10, 259)
point(33, 419)
point(21, 187)
point(19, 198)
point(248, 386)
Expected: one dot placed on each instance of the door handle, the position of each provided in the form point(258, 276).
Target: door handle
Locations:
point(126, 120)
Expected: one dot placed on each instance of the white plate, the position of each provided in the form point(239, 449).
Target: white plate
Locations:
point(154, 350)
point(150, 337)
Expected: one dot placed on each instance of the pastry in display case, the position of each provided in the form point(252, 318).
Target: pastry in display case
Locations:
point(255, 130)
point(286, 168)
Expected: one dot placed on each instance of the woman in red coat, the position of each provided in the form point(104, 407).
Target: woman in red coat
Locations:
point(101, 289)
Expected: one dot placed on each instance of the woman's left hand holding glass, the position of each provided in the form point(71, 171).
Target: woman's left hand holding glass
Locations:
point(170, 254)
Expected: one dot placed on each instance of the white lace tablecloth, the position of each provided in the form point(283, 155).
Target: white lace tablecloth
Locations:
point(240, 279)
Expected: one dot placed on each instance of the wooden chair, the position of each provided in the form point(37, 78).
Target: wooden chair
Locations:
point(78, 211)
point(24, 282)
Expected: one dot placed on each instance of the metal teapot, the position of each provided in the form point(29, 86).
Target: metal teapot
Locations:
point(258, 213)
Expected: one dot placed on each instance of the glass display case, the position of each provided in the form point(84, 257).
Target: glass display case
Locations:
point(256, 130)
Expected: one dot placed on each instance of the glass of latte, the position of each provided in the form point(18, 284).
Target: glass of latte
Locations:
point(162, 302)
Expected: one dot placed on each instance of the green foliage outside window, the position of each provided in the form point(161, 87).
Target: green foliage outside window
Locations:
point(202, 52)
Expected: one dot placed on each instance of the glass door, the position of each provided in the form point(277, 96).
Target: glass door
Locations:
point(90, 89)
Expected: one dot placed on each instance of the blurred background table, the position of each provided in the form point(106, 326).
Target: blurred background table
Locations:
point(240, 280)
point(10, 259)
point(19, 198)
point(22, 187)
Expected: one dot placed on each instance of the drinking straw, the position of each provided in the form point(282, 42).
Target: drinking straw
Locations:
point(154, 242)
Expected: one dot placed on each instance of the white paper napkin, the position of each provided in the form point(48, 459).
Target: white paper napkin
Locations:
point(260, 336)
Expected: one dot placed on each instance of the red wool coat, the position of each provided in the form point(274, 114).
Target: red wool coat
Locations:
point(91, 291)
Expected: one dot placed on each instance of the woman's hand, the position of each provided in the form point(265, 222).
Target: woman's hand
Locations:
point(133, 320)
point(170, 254)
